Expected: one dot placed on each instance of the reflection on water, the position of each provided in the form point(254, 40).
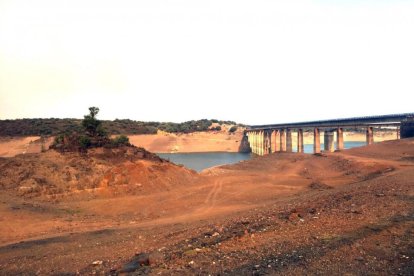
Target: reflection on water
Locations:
point(202, 160)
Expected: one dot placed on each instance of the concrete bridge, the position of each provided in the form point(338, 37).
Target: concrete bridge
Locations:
point(265, 139)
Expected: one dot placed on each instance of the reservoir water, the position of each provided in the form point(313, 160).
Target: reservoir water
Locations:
point(199, 161)
point(202, 160)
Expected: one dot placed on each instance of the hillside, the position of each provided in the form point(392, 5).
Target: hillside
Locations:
point(53, 126)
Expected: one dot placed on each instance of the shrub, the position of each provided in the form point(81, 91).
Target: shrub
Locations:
point(233, 129)
point(120, 140)
point(59, 139)
point(84, 142)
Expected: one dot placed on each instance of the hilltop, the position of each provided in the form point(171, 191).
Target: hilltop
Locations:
point(54, 126)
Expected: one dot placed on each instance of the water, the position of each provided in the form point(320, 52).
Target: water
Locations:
point(347, 145)
point(203, 160)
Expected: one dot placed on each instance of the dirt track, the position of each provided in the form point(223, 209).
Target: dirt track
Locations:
point(342, 213)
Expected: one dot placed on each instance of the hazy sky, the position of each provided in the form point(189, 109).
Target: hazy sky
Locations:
point(258, 61)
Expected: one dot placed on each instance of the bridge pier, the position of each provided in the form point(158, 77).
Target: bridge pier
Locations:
point(262, 142)
point(260, 149)
point(250, 137)
point(282, 140)
point(300, 140)
point(328, 141)
point(254, 142)
point(254, 138)
point(277, 140)
point(269, 142)
point(339, 139)
point(316, 141)
point(289, 140)
point(266, 142)
point(370, 135)
point(251, 140)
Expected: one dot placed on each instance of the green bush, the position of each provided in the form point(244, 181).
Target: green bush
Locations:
point(233, 129)
point(59, 139)
point(84, 142)
point(120, 140)
point(90, 123)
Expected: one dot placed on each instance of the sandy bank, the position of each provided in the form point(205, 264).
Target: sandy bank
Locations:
point(191, 142)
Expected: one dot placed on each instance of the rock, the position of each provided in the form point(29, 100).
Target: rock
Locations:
point(347, 197)
point(139, 260)
point(319, 186)
point(359, 258)
point(380, 195)
point(155, 258)
point(215, 234)
point(97, 262)
point(191, 252)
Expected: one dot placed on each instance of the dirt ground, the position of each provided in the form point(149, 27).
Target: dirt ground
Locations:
point(349, 212)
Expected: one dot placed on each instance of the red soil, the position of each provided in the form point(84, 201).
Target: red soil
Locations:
point(342, 213)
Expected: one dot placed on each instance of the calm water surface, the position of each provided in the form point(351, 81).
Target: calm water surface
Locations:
point(204, 160)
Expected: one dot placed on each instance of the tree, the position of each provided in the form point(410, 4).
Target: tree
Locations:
point(93, 111)
point(90, 123)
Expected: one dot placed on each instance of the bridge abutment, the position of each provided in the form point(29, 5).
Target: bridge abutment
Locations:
point(407, 128)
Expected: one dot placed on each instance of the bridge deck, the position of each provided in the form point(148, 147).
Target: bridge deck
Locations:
point(380, 120)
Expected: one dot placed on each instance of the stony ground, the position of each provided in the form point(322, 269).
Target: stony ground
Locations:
point(291, 214)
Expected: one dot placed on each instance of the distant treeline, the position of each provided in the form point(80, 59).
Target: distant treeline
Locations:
point(53, 126)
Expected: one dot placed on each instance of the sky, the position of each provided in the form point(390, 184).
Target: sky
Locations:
point(254, 62)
